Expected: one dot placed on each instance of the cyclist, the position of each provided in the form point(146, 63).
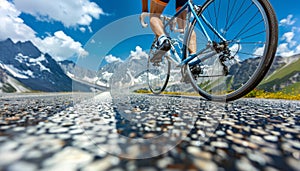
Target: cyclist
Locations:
point(163, 42)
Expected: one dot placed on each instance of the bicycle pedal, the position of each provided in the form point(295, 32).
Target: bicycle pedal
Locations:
point(157, 57)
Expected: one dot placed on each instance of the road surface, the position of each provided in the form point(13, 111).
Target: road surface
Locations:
point(146, 132)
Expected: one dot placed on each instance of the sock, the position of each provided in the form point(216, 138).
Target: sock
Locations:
point(192, 54)
point(161, 39)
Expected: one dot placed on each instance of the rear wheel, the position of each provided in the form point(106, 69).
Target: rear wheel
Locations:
point(251, 31)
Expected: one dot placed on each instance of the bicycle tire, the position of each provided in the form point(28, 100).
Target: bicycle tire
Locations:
point(263, 54)
point(157, 74)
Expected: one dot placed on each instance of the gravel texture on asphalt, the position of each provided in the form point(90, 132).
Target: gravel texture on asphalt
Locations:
point(146, 132)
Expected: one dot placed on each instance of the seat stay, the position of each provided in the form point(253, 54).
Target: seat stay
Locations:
point(201, 59)
point(193, 9)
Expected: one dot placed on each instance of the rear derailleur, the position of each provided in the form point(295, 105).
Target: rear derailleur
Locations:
point(225, 55)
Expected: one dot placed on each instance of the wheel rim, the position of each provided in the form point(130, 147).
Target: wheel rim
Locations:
point(158, 75)
point(251, 44)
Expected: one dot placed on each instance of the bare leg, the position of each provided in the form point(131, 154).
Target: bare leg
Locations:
point(181, 20)
point(181, 25)
point(156, 24)
point(157, 27)
point(193, 43)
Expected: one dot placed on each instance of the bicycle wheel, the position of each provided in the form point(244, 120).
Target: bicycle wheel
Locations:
point(238, 65)
point(158, 73)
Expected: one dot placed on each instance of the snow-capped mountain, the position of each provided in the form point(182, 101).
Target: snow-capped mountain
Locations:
point(129, 72)
point(106, 72)
point(76, 72)
point(8, 84)
point(29, 67)
point(132, 74)
point(84, 75)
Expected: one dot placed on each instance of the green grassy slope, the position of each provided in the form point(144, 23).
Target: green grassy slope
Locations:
point(292, 89)
point(281, 76)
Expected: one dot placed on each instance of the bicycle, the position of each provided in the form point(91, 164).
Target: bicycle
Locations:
point(238, 41)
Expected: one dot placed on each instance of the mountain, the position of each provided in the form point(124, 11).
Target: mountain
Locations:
point(95, 79)
point(9, 85)
point(106, 72)
point(36, 70)
point(286, 77)
point(131, 74)
point(25, 68)
point(76, 72)
point(284, 74)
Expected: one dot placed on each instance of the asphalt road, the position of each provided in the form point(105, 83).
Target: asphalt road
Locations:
point(146, 132)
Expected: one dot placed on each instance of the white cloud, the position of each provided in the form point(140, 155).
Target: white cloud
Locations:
point(82, 29)
point(70, 12)
point(60, 46)
point(287, 21)
point(284, 50)
point(288, 45)
point(90, 29)
point(138, 53)
point(234, 49)
point(288, 37)
point(296, 29)
point(11, 25)
point(111, 59)
point(259, 51)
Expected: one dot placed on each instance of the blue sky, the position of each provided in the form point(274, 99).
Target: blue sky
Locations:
point(68, 28)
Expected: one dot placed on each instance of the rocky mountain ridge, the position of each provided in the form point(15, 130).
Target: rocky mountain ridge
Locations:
point(23, 67)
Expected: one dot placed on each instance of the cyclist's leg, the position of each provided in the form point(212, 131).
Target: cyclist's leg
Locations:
point(163, 43)
point(156, 9)
point(182, 23)
point(181, 18)
point(193, 43)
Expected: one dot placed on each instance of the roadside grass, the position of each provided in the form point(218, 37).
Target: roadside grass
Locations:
point(286, 95)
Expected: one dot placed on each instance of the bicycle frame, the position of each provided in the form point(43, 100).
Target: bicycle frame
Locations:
point(192, 8)
point(224, 49)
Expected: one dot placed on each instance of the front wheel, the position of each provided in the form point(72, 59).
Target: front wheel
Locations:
point(158, 74)
point(251, 31)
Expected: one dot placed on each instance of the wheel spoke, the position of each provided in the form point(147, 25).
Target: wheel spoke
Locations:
point(239, 62)
point(243, 30)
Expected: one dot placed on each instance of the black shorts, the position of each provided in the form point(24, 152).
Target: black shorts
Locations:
point(179, 3)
